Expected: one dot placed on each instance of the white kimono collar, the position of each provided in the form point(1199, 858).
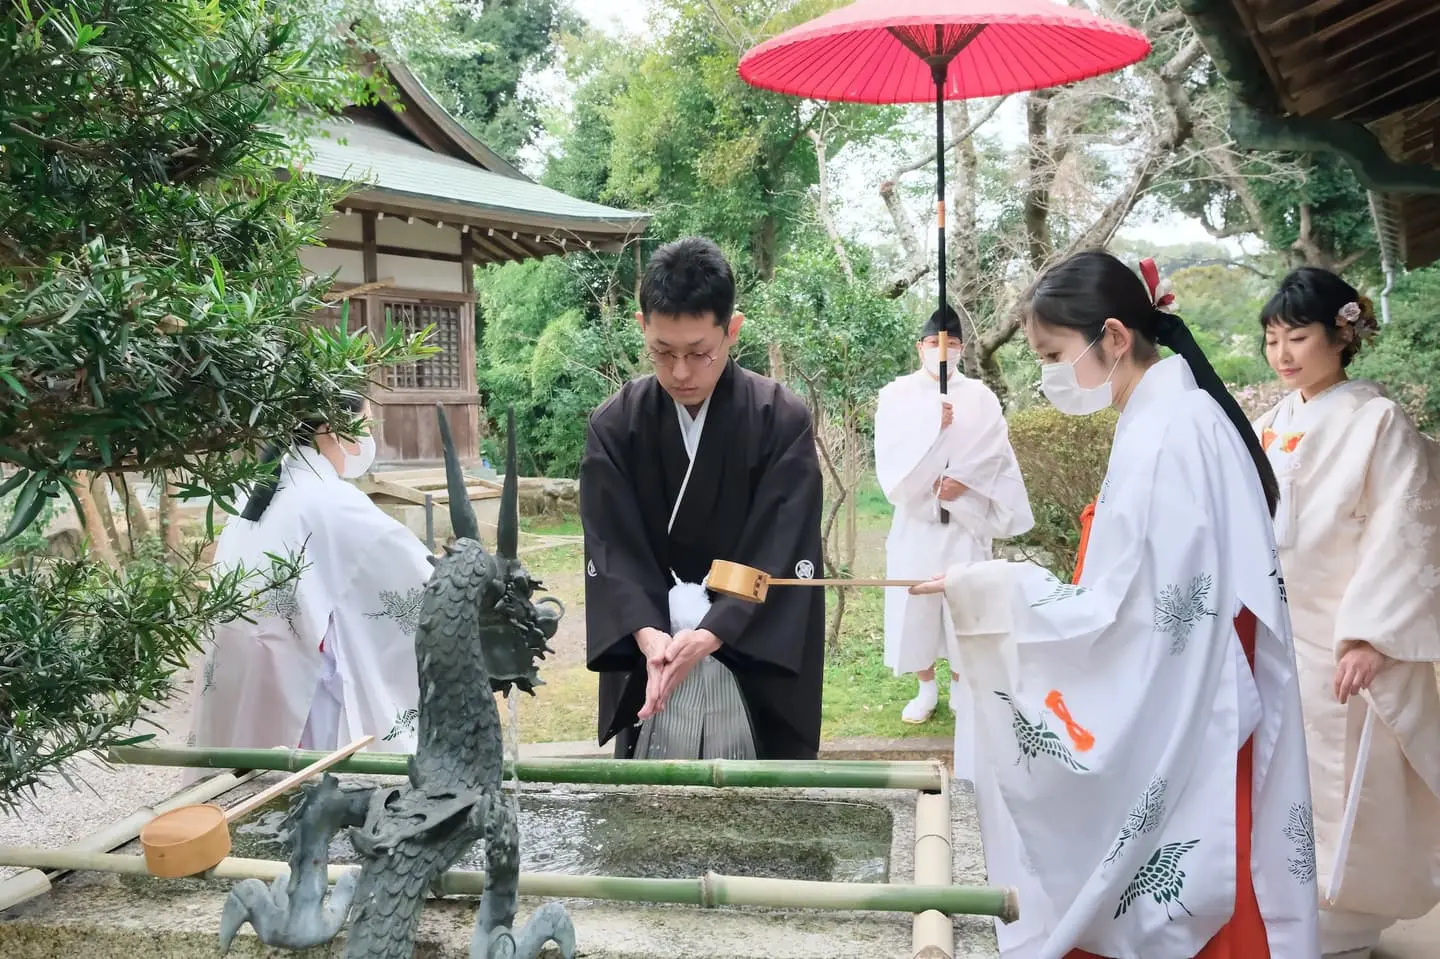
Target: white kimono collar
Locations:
point(1166, 379)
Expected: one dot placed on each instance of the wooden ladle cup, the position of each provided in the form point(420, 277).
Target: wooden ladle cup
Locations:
point(753, 585)
point(192, 839)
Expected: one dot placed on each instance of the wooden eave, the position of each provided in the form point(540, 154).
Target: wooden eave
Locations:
point(1360, 78)
point(496, 233)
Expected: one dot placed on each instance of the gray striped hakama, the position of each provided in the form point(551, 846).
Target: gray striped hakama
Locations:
point(706, 718)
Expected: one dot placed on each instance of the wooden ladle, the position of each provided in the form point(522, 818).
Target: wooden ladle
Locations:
point(191, 839)
point(752, 585)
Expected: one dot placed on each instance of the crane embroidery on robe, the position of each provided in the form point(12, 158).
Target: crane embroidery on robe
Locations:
point(404, 723)
point(1300, 830)
point(209, 675)
point(1061, 591)
point(1143, 817)
point(1161, 878)
point(1178, 610)
point(403, 609)
point(1035, 739)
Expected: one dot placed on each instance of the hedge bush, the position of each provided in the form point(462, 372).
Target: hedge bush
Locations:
point(1063, 460)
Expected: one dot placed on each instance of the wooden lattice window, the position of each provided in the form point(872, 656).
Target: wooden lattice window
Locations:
point(442, 371)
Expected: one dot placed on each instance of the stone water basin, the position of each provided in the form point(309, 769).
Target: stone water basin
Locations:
point(581, 832)
point(676, 832)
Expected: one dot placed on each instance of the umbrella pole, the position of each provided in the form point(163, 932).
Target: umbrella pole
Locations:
point(939, 70)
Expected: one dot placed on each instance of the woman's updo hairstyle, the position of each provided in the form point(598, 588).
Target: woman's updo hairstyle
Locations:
point(1310, 296)
point(304, 435)
point(1084, 290)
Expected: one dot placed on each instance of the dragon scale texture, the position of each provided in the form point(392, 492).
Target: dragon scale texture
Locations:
point(479, 633)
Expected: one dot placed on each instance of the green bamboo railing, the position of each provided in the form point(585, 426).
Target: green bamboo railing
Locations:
point(709, 890)
point(827, 774)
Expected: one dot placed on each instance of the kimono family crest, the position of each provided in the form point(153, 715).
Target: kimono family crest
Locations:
point(478, 632)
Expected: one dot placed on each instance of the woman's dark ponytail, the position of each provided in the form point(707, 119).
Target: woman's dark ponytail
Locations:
point(304, 435)
point(1172, 333)
point(1085, 289)
point(264, 491)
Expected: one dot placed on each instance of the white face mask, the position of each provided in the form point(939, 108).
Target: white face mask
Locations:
point(930, 356)
point(1061, 388)
point(356, 464)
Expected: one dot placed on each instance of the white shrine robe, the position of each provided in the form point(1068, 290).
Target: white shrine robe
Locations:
point(269, 683)
point(911, 454)
point(1359, 538)
point(1111, 712)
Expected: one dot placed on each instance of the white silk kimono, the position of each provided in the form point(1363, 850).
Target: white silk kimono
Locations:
point(269, 683)
point(1359, 538)
point(1111, 712)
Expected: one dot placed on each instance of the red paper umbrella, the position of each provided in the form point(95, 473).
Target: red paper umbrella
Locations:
point(894, 51)
point(911, 51)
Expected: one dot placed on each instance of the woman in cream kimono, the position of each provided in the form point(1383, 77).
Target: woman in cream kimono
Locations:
point(330, 656)
point(1358, 529)
point(1140, 764)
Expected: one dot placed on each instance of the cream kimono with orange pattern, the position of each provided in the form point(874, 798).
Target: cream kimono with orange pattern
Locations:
point(1359, 538)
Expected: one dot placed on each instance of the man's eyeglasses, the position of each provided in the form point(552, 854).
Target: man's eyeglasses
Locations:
point(666, 359)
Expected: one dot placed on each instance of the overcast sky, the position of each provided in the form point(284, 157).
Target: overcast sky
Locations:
point(853, 176)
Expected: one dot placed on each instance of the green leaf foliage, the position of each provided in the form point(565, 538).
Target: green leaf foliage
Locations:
point(154, 317)
point(152, 304)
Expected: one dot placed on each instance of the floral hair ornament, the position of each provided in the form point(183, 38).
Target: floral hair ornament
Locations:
point(1160, 293)
point(1359, 318)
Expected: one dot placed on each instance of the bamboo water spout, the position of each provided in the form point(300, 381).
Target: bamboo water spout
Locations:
point(709, 890)
point(764, 773)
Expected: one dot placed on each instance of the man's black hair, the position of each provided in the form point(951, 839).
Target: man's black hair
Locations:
point(688, 277)
point(949, 321)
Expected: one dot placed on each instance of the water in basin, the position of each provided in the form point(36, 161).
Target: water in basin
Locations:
point(659, 835)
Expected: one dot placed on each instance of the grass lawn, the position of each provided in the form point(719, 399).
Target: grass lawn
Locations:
point(862, 697)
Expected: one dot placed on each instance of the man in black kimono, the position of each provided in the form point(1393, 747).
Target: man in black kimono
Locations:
point(702, 461)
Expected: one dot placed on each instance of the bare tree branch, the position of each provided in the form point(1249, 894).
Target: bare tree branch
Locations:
point(965, 134)
point(822, 207)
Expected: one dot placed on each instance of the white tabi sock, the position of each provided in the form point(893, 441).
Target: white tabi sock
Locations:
point(919, 709)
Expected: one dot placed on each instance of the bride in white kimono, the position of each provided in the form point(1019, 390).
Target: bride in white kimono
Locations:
point(330, 657)
point(1140, 763)
point(1359, 534)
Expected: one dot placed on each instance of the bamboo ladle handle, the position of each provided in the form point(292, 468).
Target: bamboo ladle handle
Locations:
point(752, 585)
point(290, 781)
point(845, 582)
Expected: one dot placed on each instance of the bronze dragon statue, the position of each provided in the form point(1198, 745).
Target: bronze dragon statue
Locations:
point(479, 631)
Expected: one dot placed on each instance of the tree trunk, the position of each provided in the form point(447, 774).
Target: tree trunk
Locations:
point(101, 496)
point(170, 521)
point(135, 515)
point(776, 359)
point(95, 532)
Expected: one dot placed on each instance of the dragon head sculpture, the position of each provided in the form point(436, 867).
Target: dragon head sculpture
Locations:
point(514, 626)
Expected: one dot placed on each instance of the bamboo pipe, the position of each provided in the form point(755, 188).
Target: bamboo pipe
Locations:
point(752, 585)
point(763, 773)
point(709, 890)
point(932, 935)
point(34, 882)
